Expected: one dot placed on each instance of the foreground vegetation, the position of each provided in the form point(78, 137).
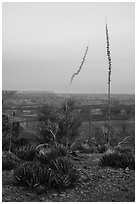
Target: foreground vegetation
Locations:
point(63, 163)
point(96, 184)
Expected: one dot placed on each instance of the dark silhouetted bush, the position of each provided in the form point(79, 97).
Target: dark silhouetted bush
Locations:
point(6, 125)
point(119, 159)
point(21, 142)
point(9, 161)
point(15, 128)
point(52, 153)
point(63, 122)
point(57, 174)
point(25, 174)
point(7, 164)
point(66, 174)
point(26, 153)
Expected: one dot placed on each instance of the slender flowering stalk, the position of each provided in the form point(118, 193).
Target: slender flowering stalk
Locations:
point(109, 78)
point(80, 67)
point(78, 71)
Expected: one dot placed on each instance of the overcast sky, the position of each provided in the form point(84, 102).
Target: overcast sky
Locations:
point(44, 43)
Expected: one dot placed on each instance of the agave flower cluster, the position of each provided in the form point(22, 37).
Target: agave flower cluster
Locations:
point(80, 67)
point(109, 78)
point(108, 55)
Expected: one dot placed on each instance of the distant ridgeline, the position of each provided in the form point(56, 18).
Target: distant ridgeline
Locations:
point(6, 94)
point(12, 94)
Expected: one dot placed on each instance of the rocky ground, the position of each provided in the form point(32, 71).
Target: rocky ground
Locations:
point(97, 184)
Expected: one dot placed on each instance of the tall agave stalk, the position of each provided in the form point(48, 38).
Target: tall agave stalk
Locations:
point(109, 79)
point(77, 72)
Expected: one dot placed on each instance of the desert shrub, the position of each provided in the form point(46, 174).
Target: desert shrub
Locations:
point(59, 124)
point(15, 142)
point(9, 161)
point(65, 173)
point(33, 174)
point(6, 125)
point(124, 151)
point(10, 133)
point(85, 149)
point(25, 174)
point(58, 174)
point(26, 153)
point(76, 146)
point(6, 142)
point(7, 164)
point(15, 128)
point(21, 142)
point(101, 148)
point(58, 151)
point(48, 118)
point(118, 159)
point(128, 152)
point(52, 153)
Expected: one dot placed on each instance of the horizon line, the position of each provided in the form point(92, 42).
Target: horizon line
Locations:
point(66, 92)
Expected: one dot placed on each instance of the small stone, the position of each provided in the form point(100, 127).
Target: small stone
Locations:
point(54, 194)
point(127, 170)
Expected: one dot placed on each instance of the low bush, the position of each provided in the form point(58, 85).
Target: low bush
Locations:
point(26, 153)
point(58, 174)
point(7, 164)
point(6, 142)
point(21, 141)
point(66, 174)
point(119, 159)
point(9, 161)
point(101, 148)
point(25, 174)
point(126, 151)
point(15, 142)
point(85, 148)
point(52, 153)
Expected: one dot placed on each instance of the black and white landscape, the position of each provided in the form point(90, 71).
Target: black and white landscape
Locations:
point(68, 102)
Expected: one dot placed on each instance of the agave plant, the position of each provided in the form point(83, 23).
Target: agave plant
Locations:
point(57, 174)
point(25, 174)
point(65, 173)
point(26, 153)
point(52, 153)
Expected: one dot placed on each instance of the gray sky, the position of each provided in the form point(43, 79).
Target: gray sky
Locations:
point(44, 43)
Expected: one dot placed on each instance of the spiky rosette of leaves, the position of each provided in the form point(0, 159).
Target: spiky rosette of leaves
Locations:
point(58, 174)
point(26, 153)
point(52, 154)
point(25, 174)
point(66, 175)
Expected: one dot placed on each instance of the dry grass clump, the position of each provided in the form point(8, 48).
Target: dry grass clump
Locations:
point(119, 159)
point(57, 174)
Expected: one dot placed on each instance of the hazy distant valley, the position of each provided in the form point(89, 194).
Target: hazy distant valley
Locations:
point(27, 103)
